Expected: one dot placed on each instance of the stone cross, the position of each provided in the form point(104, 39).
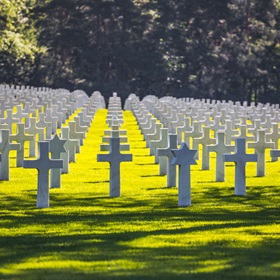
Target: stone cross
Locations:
point(205, 140)
point(240, 157)
point(260, 146)
point(5, 147)
point(70, 146)
point(20, 137)
point(184, 157)
point(56, 149)
point(43, 164)
point(114, 158)
point(161, 143)
point(32, 129)
point(42, 123)
point(220, 148)
point(10, 120)
point(166, 152)
point(274, 136)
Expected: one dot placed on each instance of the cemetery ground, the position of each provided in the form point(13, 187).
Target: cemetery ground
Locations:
point(142, 234)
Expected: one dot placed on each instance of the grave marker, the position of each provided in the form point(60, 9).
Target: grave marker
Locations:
point(166, 152)
point(184, 157)
point(21, 138)
point(240, 157)
point(260, 145)
point(115, 158)
point(56, 150)
point(5, 147)
point(220, 148)
point(43, 164)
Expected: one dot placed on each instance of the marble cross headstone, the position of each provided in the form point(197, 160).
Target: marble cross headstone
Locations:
point(240, 157)
point(70, 146)
point(56, 149)
point(20, 137)
point(114, 158)
point(161, 143)
point(260, 145)
point(5, 147)
point(205, 140)
point(43, 164)
point(220, 148)
point(184, 157)
point(166, 152)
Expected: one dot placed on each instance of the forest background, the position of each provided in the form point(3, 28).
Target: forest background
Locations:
point(217, 49)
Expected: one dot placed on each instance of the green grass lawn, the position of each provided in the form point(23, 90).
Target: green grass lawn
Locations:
point(142, 234)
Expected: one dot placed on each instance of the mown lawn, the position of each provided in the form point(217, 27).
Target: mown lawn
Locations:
point(142, 234)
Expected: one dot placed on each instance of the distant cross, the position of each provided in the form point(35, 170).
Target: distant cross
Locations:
point(56, 149)
point(5, 147)
point(205, 140)
point(274, 136)
point(21, 138)
point(161, 143)
point(43, 164)
point(114, 158)
point(166, 152)
point(220, 148)
point(32, 129)
point(10, 119)
point(70, 146)
point(260, 146)
point(240, 158)
point(184, 157)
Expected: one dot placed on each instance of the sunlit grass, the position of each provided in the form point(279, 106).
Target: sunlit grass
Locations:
point(85, 234)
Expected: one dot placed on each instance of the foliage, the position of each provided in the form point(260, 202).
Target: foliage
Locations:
point(142, 234)
point(223, 49)
point(18, 42)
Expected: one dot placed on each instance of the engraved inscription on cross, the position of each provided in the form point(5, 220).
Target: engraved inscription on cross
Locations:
point(114, 158)
point(240, 157)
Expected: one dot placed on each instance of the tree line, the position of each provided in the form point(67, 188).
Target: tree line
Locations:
point(217, 49)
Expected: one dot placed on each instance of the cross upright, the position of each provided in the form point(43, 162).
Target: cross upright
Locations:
point(194, 133)
point(73, 134)
point(70, 147)
point(274, 136)
point(32, 129)
point(5, 147)
point(220, 148)
point(10, 119)
point(114, 158)
point(20, 137)
point(43, 164)
point(166, 152)
point(260, 146)
point(45, 124)
point(240, 157)
point(204, 140)
point(184, 157)
point(56, 150)
point(183, 128)
point(157, 144)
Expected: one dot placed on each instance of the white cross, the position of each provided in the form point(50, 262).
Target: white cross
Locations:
point(43, 164)
point(240, 157)
point(114, 158)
